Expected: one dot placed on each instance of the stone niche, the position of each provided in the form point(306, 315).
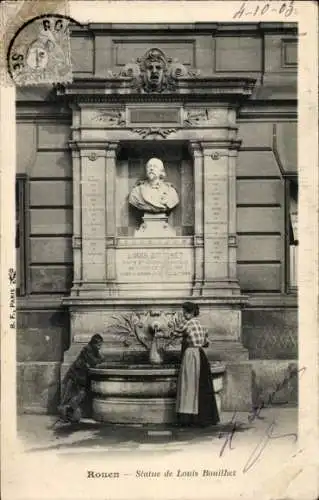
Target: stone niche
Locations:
point(157, 264)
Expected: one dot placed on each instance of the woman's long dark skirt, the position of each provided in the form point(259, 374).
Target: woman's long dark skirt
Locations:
point(207, 406)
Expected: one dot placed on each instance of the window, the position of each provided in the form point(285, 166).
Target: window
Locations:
point(20, 235)
point(292, 233)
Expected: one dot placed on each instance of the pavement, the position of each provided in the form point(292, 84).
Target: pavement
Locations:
point(38, 433)
point(238, 458)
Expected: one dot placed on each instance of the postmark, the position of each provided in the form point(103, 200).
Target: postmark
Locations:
point(39, 53)
point(14, 14)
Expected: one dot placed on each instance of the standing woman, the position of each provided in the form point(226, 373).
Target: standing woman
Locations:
point(196, 403)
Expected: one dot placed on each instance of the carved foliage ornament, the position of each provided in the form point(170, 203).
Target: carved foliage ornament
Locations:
point(111, 117)
point(154, 330)
point(154, 132)
point(199, 117)
point(143, 326)
point(155, 73)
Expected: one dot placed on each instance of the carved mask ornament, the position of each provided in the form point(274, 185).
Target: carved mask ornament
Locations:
point(154, 71)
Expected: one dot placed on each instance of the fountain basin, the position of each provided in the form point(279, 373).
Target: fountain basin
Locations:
point(140, 394)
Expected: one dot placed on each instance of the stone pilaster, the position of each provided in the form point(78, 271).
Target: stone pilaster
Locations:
point(110, 206)
point(219, 218)
point(93, 193)
point(232, 214)
point(77, 203)
point(197, 154)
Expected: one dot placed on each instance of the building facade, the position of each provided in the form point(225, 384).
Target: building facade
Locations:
point(222, 115)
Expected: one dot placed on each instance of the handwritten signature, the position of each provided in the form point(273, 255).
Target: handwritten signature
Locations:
point(230, 434)
point(258, 450)
point(255, 413)
point(286, 9)
point(269, 435)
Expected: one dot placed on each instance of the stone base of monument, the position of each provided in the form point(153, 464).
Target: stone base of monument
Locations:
point(140, 394)
point(155, 226)
point(220, 315)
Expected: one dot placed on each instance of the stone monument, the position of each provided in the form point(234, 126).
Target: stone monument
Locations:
point(156, 198)
point(156, 104)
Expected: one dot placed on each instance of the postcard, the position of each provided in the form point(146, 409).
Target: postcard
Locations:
point(159, 249)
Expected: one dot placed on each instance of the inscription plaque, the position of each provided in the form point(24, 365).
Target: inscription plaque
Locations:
point(216, 218)
point(216, 249)
point(216, 228)
point(93, 251)
point(155, 115)
point(216, 257)
point(216, 209)
point(154, 265)
point(93, 215)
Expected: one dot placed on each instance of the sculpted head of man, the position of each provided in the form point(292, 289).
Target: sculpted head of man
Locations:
point(155, 170)
point(153, 69)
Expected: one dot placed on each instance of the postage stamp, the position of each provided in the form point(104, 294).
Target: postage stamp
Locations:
point(35, 42)
point(39, 53)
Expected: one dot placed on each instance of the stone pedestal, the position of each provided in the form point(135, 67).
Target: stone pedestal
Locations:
point(155, 226)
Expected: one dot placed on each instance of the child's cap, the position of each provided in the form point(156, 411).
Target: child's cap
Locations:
point(96, 339)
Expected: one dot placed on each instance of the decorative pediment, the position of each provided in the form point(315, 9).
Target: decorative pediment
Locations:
point(155, 72)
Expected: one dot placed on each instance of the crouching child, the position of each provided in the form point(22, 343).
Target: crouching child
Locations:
point(77, 384)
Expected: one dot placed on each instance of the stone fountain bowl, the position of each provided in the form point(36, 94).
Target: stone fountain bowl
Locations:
point(140, 393)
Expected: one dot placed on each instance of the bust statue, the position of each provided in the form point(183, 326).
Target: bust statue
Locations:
point(154, 195)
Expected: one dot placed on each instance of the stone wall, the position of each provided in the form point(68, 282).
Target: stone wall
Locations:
point(263, 162)
point(43, 155)
point(267, 51)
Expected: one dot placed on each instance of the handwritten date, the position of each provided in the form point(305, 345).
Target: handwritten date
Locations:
point(285, 9)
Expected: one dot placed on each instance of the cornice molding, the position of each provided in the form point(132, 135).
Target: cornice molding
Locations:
point(209, 147)
point(256, 301)
point(272, 301)
point(98, 29)
point(36, 303)
point(101, 145)
point(119, 89)
point(269, 110)
point(82, 301)
point(43, 113)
